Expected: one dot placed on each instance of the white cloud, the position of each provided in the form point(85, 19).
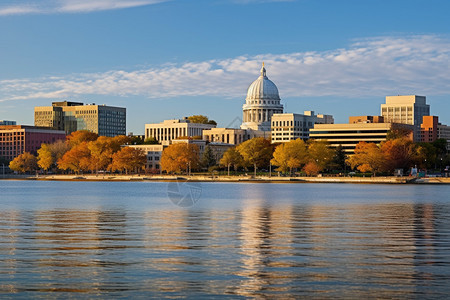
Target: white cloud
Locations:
point(380, 66)
point(21, 7)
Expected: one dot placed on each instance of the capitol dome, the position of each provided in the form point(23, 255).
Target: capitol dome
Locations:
point(261, 103)
point(263, 88)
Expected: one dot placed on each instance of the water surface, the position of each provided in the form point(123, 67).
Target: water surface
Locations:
point(128, 239)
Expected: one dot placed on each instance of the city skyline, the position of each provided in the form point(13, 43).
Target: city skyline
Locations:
point(170, 59)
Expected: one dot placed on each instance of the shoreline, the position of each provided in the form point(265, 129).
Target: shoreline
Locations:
point(224, 178)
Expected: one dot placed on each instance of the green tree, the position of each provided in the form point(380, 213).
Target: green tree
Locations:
point(290, 155)
point(340, 158)
point(151, 141)
point(231, 157)
point(256, 152)
point(201, 119)
point(25, 162)
point(208, 160)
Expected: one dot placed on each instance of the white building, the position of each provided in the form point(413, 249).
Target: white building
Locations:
point(153, 152)
point(408, 109)
point(169, 130)
point(289, 126)
point(261, 103)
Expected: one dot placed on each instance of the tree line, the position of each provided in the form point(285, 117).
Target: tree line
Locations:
point(83, 151)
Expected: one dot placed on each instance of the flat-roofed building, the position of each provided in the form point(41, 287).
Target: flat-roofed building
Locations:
point(365, 119)
point(17, 139)
point(5, 122)
point(349, 135)
point(153, 153)
point(431, 130)
point(72, 116)
point(169, 130)
point(290, 126)
point(443, 132)
point(408, 109)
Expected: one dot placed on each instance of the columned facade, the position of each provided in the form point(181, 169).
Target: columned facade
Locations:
point(261, 103)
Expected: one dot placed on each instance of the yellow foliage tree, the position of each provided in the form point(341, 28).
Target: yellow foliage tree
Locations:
point(256, 152)
point(290, 155)
point(231, 157)
point(45, 157)
point(25, 162)
point(178, 157)
point(320, 153)
point(80, 136)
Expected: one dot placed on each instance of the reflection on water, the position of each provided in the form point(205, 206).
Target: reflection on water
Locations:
point(249, 240)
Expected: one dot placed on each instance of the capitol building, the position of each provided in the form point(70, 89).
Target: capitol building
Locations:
point(261, 103)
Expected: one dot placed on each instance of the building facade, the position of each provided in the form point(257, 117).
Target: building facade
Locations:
point(261, 103)
point(72, 116)
point(153, 153)
point(4, 123)
point(349, 135)
point(431, 130)
point(289, 126)
point(17, 139)
point(169, 130)
point(406, 110)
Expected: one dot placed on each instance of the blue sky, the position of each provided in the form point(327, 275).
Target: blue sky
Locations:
point(169, 59)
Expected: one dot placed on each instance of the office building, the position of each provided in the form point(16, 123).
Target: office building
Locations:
point(349, 135)
point(289, 126)
point(4, 122)
point(153, 153)
point(406, 110)
point(72, 116)
point(431, 130)
point(17, 139)
point(169, 130)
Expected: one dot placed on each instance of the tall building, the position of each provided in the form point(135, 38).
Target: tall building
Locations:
point(289, 126)
point(431, 130)
point(169, 130)
point(406, 110)
point(17, 139)
point(72, 116)
point(4, 122)
point(349, 135)
point(261, 103)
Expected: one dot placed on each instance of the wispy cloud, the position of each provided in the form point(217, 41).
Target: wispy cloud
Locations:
point(379, 66)
point(21, 7)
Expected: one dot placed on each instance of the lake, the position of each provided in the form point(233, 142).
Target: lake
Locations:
point(214, 240)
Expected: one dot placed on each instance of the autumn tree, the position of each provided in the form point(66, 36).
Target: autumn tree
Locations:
point(76, 159)
point(290, 155)
point(312, 168)
point(178, 157)
point(25, 162)
point(340, 158)
point(80, 136)
point(101, 151)
point(231, 157)
point(367, 158)
point(398, 154)
point(151, 141)
point(45, 157)
point(127, 159)
point(320, 153)
point(256, 152)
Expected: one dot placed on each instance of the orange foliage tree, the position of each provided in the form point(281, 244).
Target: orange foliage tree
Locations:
point(312, 168)
point(368, 157)
point(128, 159)
point(399, 153)
point(178, 157)
point(80, 136)
point(76, 159)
